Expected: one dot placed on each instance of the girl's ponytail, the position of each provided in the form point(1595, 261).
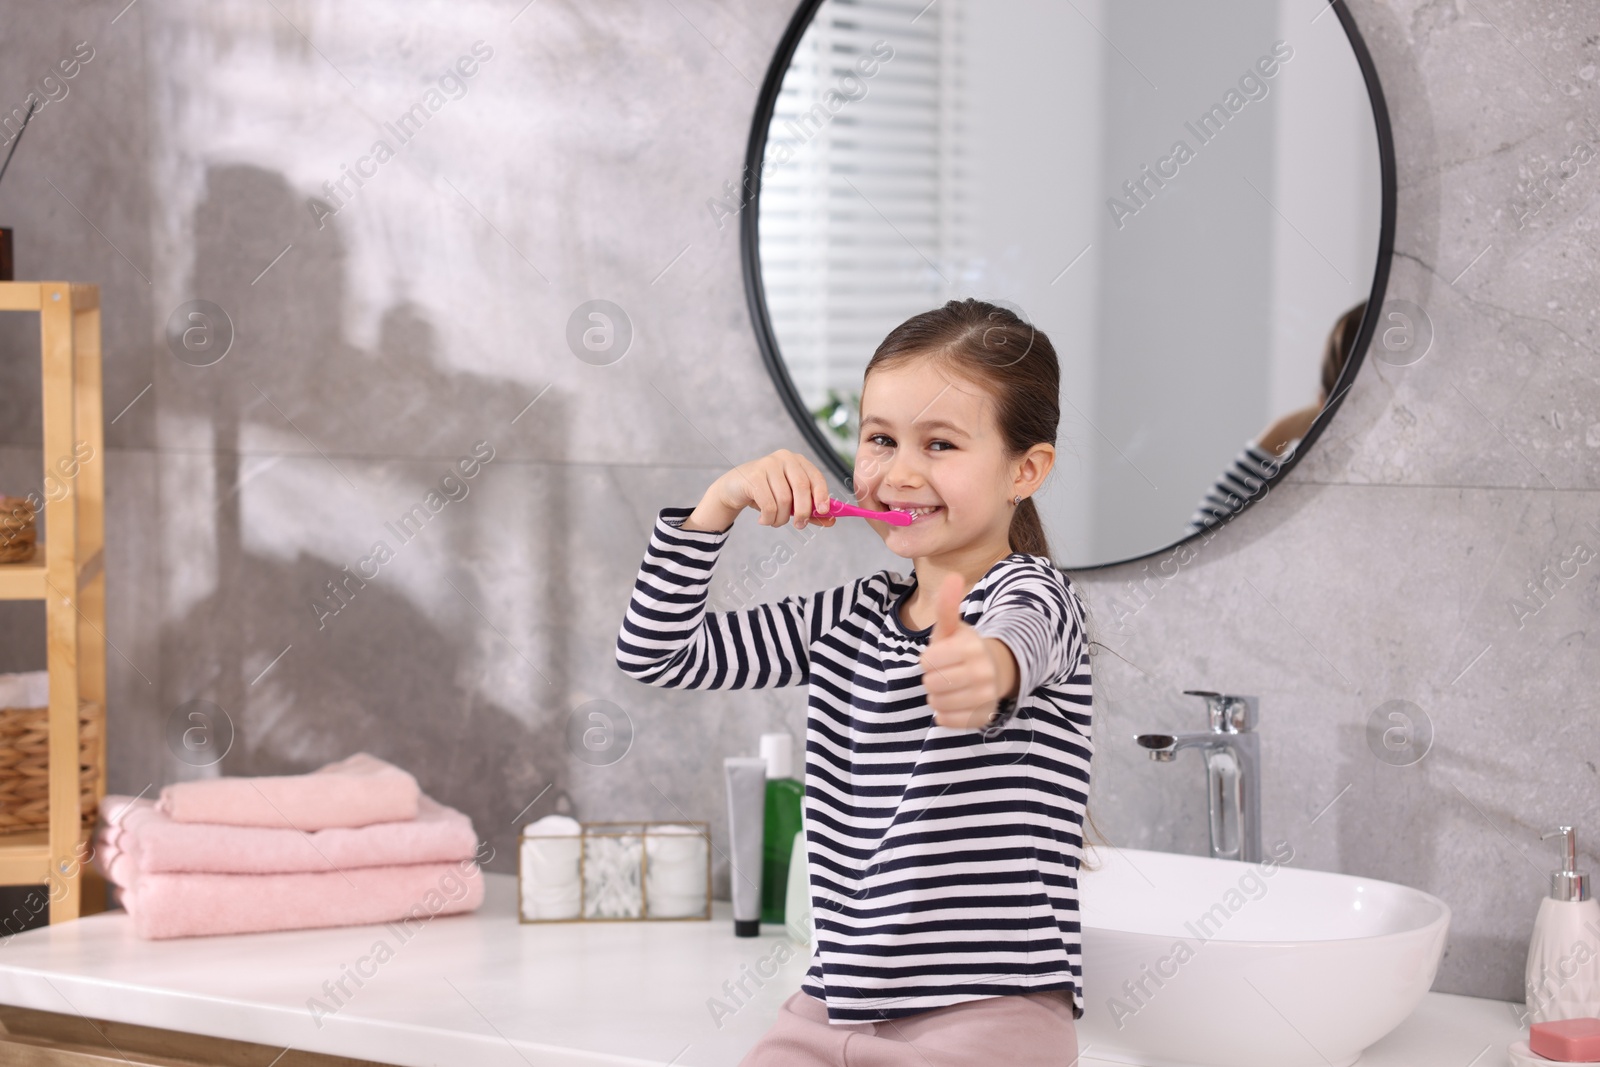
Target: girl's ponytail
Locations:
point(1027, 530)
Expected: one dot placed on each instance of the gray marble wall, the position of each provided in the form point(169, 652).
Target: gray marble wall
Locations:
point(374, 346)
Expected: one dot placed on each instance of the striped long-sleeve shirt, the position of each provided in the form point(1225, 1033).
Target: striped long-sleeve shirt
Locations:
point(944, 862)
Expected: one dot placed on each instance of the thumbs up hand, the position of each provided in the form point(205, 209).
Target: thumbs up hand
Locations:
point(964, 673)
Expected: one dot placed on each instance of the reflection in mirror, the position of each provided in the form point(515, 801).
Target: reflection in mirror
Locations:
point(1186, 198)
point(1266, 454)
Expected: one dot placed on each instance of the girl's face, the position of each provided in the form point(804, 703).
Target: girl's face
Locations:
point(931, 445)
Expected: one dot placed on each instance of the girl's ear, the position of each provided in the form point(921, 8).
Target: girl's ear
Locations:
point(1031, 468)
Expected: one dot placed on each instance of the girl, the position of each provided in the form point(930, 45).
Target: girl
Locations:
point(948, 725)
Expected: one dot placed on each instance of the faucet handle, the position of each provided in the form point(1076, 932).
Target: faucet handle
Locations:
point(1229, 714)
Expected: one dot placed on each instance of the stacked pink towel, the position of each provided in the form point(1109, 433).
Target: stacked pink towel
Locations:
point(353, 842)
point(357, 791)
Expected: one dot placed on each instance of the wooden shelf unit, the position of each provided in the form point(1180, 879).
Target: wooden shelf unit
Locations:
point(67, 574)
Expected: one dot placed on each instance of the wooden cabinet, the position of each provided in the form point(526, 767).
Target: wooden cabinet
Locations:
point(68, 574)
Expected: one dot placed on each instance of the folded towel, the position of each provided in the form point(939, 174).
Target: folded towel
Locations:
point(352, 792)
point(135, 837)
point(192, 904)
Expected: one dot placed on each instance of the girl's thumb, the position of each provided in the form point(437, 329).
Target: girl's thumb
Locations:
point(947, 608)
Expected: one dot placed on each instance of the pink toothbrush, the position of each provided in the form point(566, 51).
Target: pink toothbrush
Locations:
point(839, 509)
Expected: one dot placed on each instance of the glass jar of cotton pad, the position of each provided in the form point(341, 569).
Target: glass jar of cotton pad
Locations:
point(597, 871)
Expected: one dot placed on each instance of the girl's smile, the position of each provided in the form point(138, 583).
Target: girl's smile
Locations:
point(916, 511)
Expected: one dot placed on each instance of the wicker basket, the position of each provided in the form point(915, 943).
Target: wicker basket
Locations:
point(18, 532)
point(25, 767)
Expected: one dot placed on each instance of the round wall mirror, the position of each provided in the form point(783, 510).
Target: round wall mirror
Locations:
point(1193, 200)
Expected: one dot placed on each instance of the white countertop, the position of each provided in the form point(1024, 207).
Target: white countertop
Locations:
point(487, 990)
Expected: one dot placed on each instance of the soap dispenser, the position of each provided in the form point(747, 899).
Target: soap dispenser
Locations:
point(1563, 975)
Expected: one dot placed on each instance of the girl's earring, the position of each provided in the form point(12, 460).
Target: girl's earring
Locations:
point(1016, 500)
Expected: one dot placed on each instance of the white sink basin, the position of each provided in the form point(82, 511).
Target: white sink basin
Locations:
point(1195, 962)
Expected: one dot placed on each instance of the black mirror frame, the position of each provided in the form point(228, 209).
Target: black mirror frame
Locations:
point(756, 298)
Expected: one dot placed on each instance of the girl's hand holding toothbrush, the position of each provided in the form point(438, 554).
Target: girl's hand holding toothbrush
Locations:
point(781, 486)
point(965, 674)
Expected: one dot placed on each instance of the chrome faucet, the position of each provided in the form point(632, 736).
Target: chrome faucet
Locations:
point(1232, 750)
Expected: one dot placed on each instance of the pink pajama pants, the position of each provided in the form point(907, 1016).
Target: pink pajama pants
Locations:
point(1017, 1030)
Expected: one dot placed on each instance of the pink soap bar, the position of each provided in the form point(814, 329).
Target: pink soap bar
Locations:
point(1566, 1040)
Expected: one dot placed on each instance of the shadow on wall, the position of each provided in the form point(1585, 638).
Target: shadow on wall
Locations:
point(385, 675)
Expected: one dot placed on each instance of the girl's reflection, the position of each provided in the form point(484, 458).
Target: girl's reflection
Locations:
point(1263, 456)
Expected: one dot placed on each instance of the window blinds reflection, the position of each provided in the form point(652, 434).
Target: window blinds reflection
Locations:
point(861, 220)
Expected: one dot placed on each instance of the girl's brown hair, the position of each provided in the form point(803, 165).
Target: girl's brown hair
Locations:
point(1336, 351)
point(994, 348)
